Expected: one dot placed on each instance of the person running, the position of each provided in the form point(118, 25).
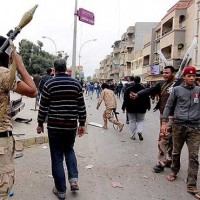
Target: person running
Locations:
point(108, 97)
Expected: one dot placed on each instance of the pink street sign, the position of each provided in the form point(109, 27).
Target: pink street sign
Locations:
point(86, 16)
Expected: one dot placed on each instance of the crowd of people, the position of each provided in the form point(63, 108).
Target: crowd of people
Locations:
point(179, 107)
point(62, 106)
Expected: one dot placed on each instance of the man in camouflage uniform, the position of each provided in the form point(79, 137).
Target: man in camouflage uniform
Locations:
point(26, 87)
point(184, 102)
point(164, 141)
point(108, 97)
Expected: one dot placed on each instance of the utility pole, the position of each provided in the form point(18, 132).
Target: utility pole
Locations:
point(74, 41)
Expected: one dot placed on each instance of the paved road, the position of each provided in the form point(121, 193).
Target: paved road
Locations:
point(115, 158)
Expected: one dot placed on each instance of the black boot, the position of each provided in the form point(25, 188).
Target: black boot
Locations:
point(158, 169)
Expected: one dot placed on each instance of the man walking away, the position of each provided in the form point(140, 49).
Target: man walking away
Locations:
point(44, 79)
point(184, 101)
point(108, 97)
point(37, 78)
point(128, 84)
point(63, 103)
point(136, 109)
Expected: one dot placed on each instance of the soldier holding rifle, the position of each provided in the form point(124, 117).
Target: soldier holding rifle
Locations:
point(26, 87)
point(9, 81)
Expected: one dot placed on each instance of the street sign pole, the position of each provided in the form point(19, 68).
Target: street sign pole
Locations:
point(74, 41)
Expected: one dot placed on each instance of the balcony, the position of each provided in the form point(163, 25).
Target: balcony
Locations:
point(167, 52)
point(127, 72)
point(167, 26)
point(116, 50)
point(123, 38)
point(116, 70)
point(130, 30)
point(122, 59)
point(146, 60)
point(174, 37)
point(129, 57)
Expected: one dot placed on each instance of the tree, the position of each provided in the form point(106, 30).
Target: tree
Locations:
point(35, 59)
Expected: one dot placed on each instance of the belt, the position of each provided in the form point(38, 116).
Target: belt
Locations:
point(5, 134)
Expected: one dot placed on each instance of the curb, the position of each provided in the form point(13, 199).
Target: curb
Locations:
point(21, 143)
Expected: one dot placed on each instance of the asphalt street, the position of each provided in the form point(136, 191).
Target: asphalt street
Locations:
point(111, 157)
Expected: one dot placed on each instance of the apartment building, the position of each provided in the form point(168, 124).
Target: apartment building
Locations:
point(136, 52)
point(175, 32)
point(124, 50)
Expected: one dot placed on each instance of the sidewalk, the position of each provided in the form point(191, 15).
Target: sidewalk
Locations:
point(25, 133)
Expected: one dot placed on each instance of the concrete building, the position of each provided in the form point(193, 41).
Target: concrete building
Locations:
point(135, 53)
point(132, 40)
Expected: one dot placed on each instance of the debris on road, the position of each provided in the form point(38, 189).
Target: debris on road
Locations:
point(89, 167)
point(18, 155)
point(95, 124)
point(116, 185)
point(22, 120)
point(11, 194)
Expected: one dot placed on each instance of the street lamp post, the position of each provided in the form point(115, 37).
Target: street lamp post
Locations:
point(53, 43)
point(81, 48)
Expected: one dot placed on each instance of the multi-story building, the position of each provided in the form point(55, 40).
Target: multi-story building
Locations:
point(136, 52)
point(124, 50)
point(175, 32)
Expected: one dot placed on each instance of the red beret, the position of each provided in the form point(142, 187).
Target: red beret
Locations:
point(189, 70)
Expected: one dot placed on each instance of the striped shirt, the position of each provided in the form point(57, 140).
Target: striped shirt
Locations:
point(62, 101)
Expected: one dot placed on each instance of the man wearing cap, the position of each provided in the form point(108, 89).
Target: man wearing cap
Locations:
point(184, 102)
point(26, 87)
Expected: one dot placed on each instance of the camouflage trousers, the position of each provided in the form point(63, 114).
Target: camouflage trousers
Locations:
point(7, 168)
point(191, 136)
point(165, 146)
point(107, 115)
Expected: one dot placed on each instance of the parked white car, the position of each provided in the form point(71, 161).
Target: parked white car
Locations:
point(16, 103)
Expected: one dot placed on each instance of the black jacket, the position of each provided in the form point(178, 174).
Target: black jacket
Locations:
point(139, 105)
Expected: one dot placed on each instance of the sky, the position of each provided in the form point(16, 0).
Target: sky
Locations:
point(55, 19)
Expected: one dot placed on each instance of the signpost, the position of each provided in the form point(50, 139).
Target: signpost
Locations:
point(86, 16)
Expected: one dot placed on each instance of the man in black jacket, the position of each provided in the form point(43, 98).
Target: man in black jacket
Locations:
point(164, 141)
point(136, 109)
point(44, 79)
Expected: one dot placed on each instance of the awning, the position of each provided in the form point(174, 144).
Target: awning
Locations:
point(154, 78)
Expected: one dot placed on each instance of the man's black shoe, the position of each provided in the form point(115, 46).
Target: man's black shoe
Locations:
point(74, 187)
point(60, 195)
point(158, 169)
point(140, 136)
